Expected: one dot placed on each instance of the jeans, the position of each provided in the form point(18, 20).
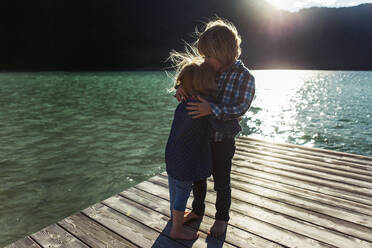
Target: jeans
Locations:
point(179, 192)
point(222, 153)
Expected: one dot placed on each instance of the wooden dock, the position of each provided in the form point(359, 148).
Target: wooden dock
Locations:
point(283, 196)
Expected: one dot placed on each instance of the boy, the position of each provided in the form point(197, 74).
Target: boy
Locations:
point(219, 44)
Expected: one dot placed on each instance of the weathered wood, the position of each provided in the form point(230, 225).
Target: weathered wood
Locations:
point(304, 203)
point(283, 178)
point(283, 195)
point(346, 179)
point(245, 201)
point(246, 182)
point(301, 220)
point(294, 154)
point(134, 231)
point(92, 233)
point(55, 236)
point(318, 197)
point(151, 218)
point(250, 224)
point(342, 156)
point(363, 193)
point(234, 236)
point(26, 242)
point(308, 163)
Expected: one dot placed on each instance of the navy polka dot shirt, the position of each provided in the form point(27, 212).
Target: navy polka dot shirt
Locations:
point(188, 154)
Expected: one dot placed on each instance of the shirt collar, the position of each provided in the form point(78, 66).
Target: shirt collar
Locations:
point(236, 64)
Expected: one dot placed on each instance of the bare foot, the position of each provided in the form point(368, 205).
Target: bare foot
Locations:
point(189, 216)
point(184, 234)
point(218, 228)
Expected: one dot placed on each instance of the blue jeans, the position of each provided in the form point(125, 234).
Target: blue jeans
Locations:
point(179, 192)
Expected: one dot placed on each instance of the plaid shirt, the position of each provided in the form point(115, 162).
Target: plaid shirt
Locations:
point(235, 92)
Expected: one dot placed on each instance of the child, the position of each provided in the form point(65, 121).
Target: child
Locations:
point(219, 44)
point(188, 155)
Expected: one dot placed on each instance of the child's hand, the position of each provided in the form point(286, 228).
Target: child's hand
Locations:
point(181, 94)
point(199, 109)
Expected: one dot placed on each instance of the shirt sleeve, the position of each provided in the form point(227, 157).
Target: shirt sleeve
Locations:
point(239, 106)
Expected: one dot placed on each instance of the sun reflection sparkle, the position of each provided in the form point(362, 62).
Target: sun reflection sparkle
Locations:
point(280, 112)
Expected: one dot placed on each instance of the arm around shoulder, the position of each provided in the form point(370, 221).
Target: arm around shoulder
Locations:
point(242, 99)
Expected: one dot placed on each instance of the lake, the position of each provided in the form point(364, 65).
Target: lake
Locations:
point(71, 139)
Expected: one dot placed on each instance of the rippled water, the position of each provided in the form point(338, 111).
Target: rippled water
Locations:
point(326, 109)
point(68, 140)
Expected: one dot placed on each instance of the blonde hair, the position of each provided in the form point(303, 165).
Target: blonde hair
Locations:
point(219, 39)
point(197, 79)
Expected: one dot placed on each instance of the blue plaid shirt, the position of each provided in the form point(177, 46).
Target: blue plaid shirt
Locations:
point(235, 92)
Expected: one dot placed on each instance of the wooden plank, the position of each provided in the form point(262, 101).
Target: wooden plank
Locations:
point(309, 171)
point(134, 231)
point(310, 163)
point(298, 183)
point(26, 242)
point(283, 196)
point(309, 223)
point(307, 200)
point(234, 236)
point(327, 161)
point(314, 206)
point(153, 219)
point(55, 236)
point(300, 193)
point(360, 159)
point(250, 224)
point(92, 233)
point(363, 194)
point(294, 219)
point(281, 207)
point(306, 152)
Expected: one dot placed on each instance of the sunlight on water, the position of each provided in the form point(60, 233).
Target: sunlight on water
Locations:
point(325, 109)
point(69, 140)
point(275, 89)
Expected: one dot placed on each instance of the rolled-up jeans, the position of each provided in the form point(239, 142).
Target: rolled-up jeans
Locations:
point(179, 192)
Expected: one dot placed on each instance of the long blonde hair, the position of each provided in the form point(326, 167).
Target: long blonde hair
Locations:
point(197, 79)
point(179, 60)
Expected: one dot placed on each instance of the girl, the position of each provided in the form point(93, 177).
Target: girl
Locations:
point(188, 154)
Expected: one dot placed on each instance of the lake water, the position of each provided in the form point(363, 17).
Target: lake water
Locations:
point(69, 140)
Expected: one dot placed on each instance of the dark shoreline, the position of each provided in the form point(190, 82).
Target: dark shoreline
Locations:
point(165, 69)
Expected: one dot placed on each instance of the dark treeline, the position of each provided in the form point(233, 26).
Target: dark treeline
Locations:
point(123, 34)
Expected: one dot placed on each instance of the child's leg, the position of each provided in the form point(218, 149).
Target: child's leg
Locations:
point(222, 153)
point(183, 190)
point(172, 193)
point(199, 191)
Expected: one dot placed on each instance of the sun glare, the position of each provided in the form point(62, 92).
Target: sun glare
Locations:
point(276, 99)
point(296, 5)
point(281, 4)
